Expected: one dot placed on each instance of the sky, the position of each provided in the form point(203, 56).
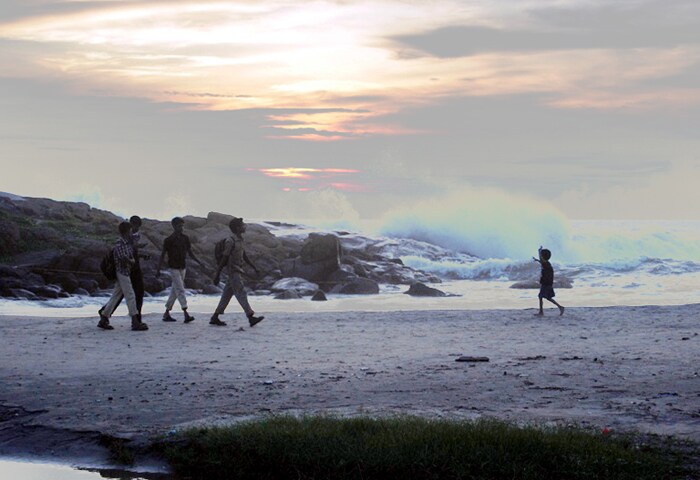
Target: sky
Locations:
point(351, 110)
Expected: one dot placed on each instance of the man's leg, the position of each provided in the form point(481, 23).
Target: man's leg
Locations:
point(130, 297)
point(181, 294)
point(137, 284)
point(171, 298)
point(106, 311)
point(113, 301)
point(242, 297)
point(226, 296)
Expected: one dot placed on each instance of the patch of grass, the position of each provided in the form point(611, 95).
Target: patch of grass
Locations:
point(411, 448)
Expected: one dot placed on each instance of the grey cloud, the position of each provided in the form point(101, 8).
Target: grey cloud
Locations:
point(625, 25)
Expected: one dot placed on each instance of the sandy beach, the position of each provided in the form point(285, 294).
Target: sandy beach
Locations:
point(623, 368)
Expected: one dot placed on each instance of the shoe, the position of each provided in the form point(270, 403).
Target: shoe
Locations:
point(104, 321)
point(137, 325)
point(104, 324)
point(253, 320)
point(215, 321)
point(188, 318)
point(168, 318)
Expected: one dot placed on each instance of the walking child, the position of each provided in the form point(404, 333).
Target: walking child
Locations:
point(546, 280)
point(233, 257)
point(177, 246)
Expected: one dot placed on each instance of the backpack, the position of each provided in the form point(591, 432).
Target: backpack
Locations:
point(108, 266)
point(219, 249)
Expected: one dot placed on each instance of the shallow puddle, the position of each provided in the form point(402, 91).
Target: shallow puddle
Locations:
point(19, 470)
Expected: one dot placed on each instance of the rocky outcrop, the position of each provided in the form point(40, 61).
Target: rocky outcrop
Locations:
point(50, 248)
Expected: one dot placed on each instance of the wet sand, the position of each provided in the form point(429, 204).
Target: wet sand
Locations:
point(624, 368)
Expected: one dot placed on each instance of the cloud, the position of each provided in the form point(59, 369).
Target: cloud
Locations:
point(638, 25)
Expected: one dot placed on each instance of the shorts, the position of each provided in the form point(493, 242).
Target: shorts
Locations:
point(546, 291)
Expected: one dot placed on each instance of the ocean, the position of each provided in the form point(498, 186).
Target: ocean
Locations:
point(609, 263)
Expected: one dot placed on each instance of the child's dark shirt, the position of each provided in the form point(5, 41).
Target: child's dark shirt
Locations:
point(547, 277)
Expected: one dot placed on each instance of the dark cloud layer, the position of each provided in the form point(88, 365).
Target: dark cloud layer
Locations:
point(617, 26)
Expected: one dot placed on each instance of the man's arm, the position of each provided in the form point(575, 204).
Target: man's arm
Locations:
point(247, 260)
point(191, 254)
point(222, 263)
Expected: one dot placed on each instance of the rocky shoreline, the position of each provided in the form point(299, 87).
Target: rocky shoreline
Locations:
point(51, 249)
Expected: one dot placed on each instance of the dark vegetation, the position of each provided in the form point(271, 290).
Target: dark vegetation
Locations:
point(414, 448)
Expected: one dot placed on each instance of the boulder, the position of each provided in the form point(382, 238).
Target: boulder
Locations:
point(7, 271)
point(90, 285)
point(220, 218)
point(358, 286)
point(319, 296)
point(287, 295)
point(421, 290)
point(299, 285)
point(67, 281)
point(321, 248)
point(211, 289)
point(22, 293)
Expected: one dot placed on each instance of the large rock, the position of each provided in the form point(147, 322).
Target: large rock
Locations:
point(319, 296)
point(287, 295)
point(421, 290)
point(299, 285)
point(319, 258)
point(321, 248)
point(9, 237)
point(358, 286)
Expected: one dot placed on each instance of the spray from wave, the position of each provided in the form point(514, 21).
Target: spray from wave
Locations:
point(503, 232)
point(484, 223)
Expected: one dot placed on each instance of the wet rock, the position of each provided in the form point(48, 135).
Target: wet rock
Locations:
point(358, 286)
point(7, 271)
point(287, 295)
point(421, 290)
point(470, 359)
point(301, 286)
point(211, 289)
point(319, 296)
point(22, 293)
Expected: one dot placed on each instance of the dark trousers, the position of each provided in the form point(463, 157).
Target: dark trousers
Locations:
point(136, 277)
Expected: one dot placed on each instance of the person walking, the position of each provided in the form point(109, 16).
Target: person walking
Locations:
point(177, 246)
point(233, 257)
point(124, 261)
point(136, 275)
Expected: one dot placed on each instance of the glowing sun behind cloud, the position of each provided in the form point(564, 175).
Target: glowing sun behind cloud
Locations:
point(309, 179)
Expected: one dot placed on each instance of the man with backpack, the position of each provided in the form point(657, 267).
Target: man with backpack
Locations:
point(124, 261)
point(177, 246)
point(230, 253)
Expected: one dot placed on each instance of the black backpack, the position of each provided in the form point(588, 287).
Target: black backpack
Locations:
point(219, 249)
point(108, 266)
